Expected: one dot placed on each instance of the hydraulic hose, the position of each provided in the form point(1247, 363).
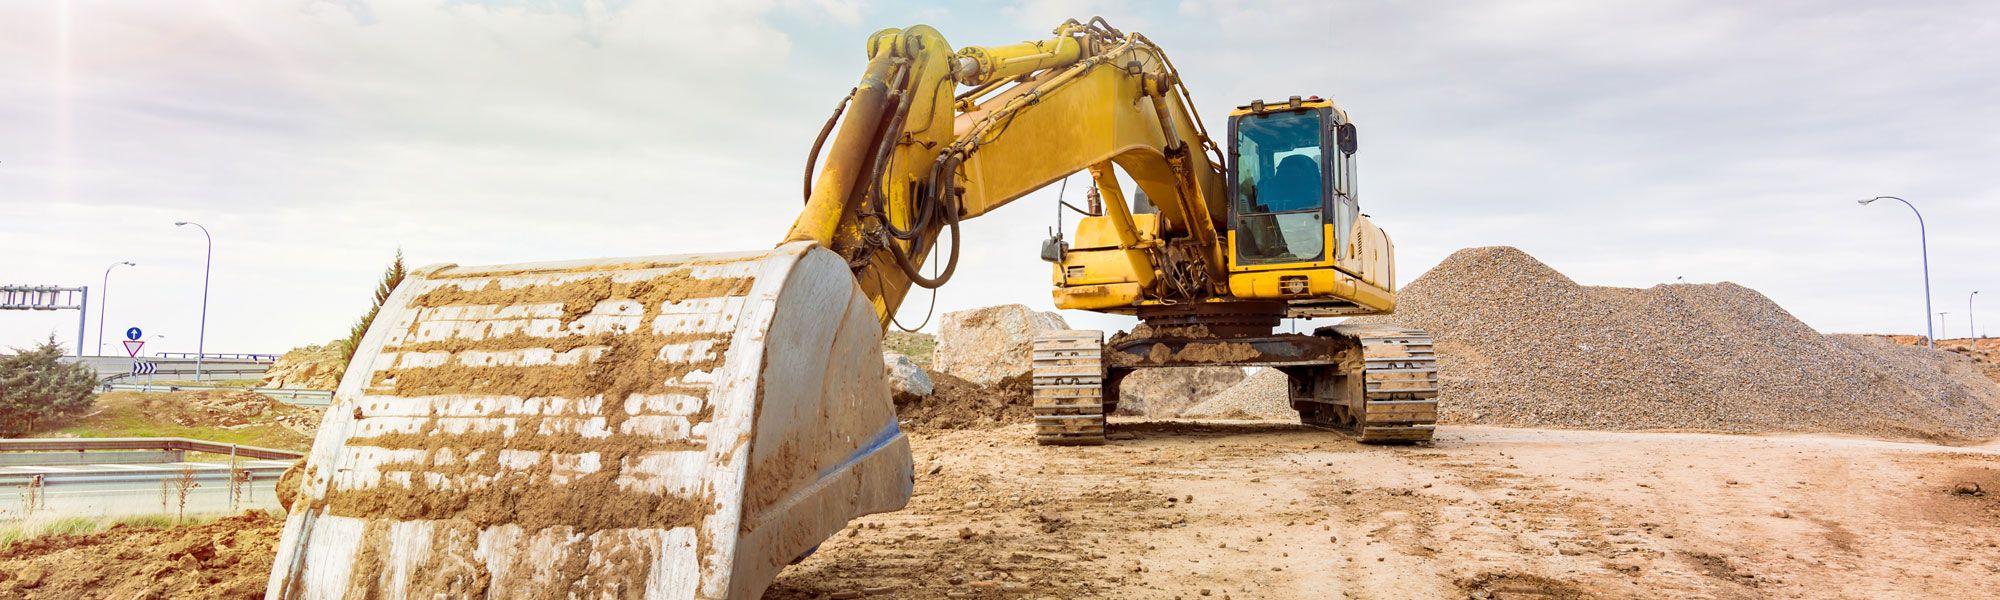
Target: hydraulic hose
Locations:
point(944, 195)
point(812, 159)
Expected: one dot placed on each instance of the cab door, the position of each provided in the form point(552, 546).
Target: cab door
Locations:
point(1280, 205)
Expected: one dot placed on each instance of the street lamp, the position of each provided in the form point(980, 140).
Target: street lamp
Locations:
point(208, 259)
point(1969, 324)
point(1924, 245)
point(1942, 324)
point(105, 301)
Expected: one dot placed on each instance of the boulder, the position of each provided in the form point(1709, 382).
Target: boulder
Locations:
point(907, 382)
point(1167, 392)
point(990, 345)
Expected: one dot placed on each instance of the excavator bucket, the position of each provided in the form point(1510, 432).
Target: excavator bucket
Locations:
point(657, 427)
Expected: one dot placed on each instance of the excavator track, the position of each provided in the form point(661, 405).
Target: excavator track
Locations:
point(1387, 396)
point(1069, 388)
point(1400, 385)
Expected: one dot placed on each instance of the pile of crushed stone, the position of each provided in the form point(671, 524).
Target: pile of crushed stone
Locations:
point(1259, 396)
point(226, 558)
point(1521, 344)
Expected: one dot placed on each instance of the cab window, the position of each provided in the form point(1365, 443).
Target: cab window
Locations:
point(1279, 188)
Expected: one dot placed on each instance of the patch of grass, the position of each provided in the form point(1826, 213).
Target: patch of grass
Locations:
point(70, 526)
point(27, 530)
point(146, 521)
point(915, 345)
point(135, 414)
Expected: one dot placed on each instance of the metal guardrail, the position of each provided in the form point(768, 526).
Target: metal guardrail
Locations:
point(102, 457)
point(299, 397)
point(183, 444)
point(219, 356)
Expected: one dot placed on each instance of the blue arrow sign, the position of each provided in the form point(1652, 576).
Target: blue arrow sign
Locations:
point(132, 334)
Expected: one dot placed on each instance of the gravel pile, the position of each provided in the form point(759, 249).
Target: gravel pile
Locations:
point(1167, 392)
point(1521, 344)
point(1259, 396)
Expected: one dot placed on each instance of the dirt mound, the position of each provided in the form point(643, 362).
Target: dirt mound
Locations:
point(308, 367)
point(1259, 396)
point(955, 403)
point(232, 408)
point(226, 558)
point(1521, 344)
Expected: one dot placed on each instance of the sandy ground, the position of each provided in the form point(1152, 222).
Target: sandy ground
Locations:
point(1269, 510)
point(1177, 509)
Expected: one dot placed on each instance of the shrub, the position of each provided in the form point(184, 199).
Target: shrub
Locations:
point(37, 387)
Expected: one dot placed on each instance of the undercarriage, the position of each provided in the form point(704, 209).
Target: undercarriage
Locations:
point(1376, 383)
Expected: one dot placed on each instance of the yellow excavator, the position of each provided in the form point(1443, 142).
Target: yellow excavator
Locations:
point(686, 426)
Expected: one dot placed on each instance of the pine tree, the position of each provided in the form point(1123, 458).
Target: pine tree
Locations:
point(391, 277)
point(37, 387)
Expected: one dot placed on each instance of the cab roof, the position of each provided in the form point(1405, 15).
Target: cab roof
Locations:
point(1259, 107)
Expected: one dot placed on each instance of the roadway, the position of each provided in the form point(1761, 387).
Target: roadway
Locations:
point(113, 490)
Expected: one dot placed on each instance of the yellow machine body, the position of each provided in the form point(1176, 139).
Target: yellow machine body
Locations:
point(1350, 271)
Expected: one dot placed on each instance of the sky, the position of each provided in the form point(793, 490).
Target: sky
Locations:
point(1628, 143)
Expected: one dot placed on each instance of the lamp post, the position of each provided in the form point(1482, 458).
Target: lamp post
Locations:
point(1942, 325)
point(208, 260)
point(105, 299)
point(1924, 245)
point(1970, 325)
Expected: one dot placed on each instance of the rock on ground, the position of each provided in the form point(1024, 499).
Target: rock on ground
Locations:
point(1521, 344)
point(906, 381)
point(1167, 392)
point(308, 367)
point(990, 345)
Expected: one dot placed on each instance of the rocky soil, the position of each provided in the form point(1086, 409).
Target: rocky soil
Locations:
point(232, 408)
point(308, 367)
point(227, 558)
point(1269, 510)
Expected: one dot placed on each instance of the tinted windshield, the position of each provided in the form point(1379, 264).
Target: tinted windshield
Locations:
point(1278, 216)
point(1278, 163)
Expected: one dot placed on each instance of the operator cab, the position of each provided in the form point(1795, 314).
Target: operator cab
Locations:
point(1291, 184)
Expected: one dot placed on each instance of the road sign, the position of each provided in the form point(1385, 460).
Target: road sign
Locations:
point(132, 347)
point(132, 334)
point(143, 367)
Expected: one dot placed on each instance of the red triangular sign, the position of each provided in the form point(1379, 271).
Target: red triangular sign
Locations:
point(132, 347)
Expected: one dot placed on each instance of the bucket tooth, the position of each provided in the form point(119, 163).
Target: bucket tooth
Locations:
point(661, 427)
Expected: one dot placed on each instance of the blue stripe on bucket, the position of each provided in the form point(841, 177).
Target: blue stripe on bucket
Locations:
point(882, 439)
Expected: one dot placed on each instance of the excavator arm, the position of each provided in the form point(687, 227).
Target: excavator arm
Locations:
point(912, 159)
